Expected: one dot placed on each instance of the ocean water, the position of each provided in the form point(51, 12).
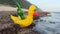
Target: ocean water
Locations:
point(48, 24)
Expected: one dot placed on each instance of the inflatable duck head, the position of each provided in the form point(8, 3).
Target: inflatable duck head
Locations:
point(32, 9)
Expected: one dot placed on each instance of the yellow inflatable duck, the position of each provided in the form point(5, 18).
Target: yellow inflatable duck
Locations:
point(27, 21)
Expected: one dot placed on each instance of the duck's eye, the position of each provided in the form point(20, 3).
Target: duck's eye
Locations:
point(35, 10)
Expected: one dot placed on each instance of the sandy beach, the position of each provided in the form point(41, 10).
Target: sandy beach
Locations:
point(9, 8)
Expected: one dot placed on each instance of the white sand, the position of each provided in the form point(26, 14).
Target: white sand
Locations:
point(9, 8)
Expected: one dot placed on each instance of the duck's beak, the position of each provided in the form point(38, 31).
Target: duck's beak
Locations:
point(35, 14)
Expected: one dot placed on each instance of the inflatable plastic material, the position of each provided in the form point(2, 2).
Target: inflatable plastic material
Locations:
point(20, 11)
point(27, 21)
point(35, 14)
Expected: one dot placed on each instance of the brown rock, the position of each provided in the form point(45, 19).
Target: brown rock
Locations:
point(43, 13)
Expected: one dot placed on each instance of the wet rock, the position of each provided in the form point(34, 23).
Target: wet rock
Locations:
point(41, 20)
point(52, 22)
point(7, 26)
point(28, 31)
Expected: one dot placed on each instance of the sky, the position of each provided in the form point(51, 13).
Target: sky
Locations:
point(47, 5)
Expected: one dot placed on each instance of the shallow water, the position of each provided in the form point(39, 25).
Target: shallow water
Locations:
point(48, 24)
